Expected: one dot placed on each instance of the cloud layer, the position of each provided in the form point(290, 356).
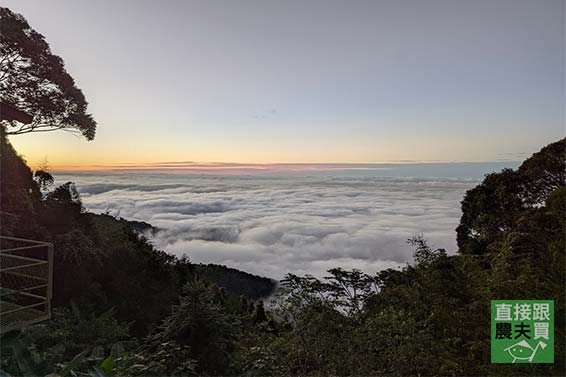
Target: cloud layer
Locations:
point(271, 225)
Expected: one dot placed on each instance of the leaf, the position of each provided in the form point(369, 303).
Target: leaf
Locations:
point(74, 363)
point(108, 364)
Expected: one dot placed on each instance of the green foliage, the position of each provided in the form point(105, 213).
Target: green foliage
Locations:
point(70, 343)
point(488, 210)
point(544, 172)
point(72, 331)
point(35, 81)
point(343, 290)
point(356, 324)
point(201, 324)
point(424, 254)
point(492, 208)
point(167, 359)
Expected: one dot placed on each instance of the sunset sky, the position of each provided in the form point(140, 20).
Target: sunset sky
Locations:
point(305, 81)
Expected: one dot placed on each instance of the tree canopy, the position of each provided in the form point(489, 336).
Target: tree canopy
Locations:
point(34, 80)
point(493, 207)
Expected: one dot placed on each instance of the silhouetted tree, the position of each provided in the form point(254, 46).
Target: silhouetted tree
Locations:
point(488, 210)
point(35, 81)
point(544, 172)
point(43, 178)
point(201, 323)
point(492, 208)
point(424, 254)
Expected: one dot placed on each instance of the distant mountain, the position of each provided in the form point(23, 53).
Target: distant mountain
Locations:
point(142, 227)
point(236, 282)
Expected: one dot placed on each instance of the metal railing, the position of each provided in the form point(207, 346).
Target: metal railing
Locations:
point(26, 280)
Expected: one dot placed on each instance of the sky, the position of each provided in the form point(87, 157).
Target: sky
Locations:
point(262, 82)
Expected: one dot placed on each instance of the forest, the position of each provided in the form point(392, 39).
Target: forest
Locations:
point(121, 307)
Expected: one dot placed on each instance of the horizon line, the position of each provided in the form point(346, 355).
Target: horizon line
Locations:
point(202, 167)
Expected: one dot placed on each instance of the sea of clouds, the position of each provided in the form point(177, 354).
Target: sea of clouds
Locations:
point(271, 225)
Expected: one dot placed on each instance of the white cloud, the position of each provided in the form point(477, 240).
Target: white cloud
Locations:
point(278, 224)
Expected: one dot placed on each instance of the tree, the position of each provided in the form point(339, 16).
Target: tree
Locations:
point(34, 80)
point(200, 323)
point(344, 291)
point(493, 207)
point(424, 254)
point(488, 210)
point(544, 172)
point(43, 178)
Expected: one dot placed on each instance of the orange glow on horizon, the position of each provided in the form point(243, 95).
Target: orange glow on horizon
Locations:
point(225, 168)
